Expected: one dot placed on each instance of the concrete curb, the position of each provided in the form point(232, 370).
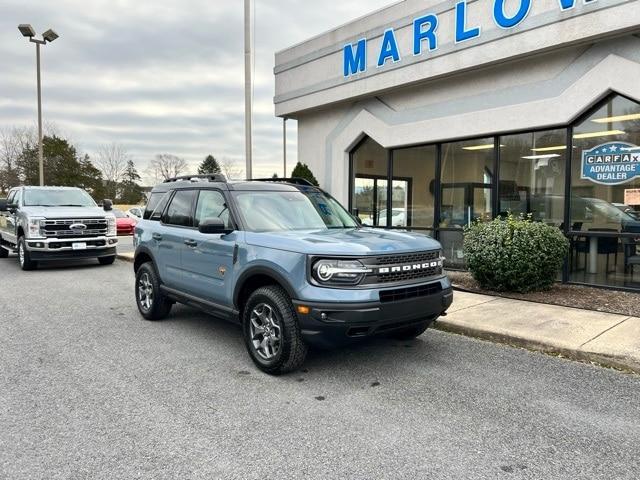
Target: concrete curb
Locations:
point(617, 362)
point(126, 257)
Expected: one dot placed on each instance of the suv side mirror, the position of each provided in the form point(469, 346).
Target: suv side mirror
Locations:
point(213, 226)
point(107, 205)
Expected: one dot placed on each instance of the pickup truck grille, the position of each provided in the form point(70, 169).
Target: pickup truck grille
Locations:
point(61, 228)
point(406, 268)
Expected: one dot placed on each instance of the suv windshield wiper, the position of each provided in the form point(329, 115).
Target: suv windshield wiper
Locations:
point(70, 205)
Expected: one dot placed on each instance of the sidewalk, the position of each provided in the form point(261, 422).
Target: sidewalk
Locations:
point(604, 338)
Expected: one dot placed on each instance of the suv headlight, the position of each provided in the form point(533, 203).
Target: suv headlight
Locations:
point(334, 272)
point(111, 227)
point(34, 228)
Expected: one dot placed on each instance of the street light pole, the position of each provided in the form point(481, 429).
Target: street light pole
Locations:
point(248, 90)
point(40, 147)
point(48, 36)
point(284, 144)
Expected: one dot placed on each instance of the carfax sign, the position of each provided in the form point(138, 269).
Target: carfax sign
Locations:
point(611, 163)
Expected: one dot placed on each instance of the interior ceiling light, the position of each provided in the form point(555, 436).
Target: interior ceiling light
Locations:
point(606, 133)
point(549, 149)
point(619, 118)
point(540, 157)
point(488, 146)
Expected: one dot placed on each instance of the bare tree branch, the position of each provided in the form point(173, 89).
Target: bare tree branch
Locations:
point(165, 166)
point(231, 169)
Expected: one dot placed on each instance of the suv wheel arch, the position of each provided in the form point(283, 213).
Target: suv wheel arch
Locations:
point(256, 278)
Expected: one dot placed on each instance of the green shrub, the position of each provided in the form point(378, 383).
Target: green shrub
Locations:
point(514, 254)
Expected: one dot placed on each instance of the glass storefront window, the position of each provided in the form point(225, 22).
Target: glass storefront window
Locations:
point(466, 192)
point(370, 185)
point(532, 175)
point(413, 189)
point(604, 201)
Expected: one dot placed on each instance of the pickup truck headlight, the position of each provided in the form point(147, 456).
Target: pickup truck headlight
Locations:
point(34, 228)
point(334, 272)
point(111, 227)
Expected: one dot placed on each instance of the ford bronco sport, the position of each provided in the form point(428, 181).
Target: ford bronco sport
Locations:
point(287, 262)
point(55, 223)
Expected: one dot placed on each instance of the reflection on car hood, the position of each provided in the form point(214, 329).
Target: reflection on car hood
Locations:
point(65, 212)
point(362, 241)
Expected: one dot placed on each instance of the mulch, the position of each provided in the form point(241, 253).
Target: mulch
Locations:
point(577, 296)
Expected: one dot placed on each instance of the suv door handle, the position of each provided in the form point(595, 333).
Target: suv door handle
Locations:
point(191, 243)
point(156, 236)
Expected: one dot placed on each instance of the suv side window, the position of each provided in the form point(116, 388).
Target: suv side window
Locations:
point(152, 204)
point(211, 204)
point(11, 197)
point(18, 197)
point(161, 202)
point(180, 210)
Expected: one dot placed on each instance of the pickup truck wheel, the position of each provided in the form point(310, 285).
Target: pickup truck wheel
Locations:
point(107, 260)
point(24, 257)
point(271, 331)
point(152, 304)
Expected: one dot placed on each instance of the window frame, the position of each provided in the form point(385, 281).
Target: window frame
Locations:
point(192, 209)
point(233, 225)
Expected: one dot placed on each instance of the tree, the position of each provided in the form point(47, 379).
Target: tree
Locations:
point(165, 166)
point(131, 191)
point(62, 166)
point(231, 169)
point(303, 171)
point(274, 176)
point(112, 161)
point(209, 166)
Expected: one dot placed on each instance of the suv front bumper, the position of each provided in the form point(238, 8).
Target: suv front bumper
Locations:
point(328, 324)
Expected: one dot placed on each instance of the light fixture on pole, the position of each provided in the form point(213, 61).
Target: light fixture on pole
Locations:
point(49, 36)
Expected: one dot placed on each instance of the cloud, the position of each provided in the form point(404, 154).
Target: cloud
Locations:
point(158, 75)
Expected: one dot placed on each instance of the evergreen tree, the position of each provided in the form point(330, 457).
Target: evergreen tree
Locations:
point(274, 176)
point(209, 166)
point(131, 191)
point(303, 171)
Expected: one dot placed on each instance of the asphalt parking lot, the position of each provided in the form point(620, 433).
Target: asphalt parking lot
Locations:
point(89, 390)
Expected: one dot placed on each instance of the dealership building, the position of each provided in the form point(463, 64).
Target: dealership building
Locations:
point(430, 114)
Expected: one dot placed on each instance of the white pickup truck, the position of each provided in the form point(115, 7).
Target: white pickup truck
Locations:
point(56, 223)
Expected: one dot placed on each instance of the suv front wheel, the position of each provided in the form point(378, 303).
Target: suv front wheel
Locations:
point(152, 304)
point(271, 331)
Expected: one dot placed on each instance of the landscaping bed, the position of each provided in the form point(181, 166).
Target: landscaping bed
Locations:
point(578, 296)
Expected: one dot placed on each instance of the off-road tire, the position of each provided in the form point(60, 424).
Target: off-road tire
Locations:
point(160, 305)
point(107, 260)
point(24, 258)
point(292, 349)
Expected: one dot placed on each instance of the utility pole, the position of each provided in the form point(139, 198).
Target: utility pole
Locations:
point(284, 144)
point(248, 87)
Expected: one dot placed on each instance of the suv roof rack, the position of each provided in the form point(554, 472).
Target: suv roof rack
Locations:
point(294, 180)
point(213, 177)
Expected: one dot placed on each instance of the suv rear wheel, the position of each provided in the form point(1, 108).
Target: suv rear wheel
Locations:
point(24, 257)
point(271, 331)
point(152, 304)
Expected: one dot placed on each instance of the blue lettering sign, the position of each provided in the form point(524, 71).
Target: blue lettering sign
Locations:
point(389, 48)
point(509, 22)
point(462, 34)
point(425, 29)
point(611, 163)
point(355, 62)
point(420, 34)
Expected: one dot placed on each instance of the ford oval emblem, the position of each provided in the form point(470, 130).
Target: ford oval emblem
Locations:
point(78, 226)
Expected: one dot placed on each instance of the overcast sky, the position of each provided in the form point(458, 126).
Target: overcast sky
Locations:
point(158, 76)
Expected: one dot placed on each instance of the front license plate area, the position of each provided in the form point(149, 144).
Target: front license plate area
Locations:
point(79, 246)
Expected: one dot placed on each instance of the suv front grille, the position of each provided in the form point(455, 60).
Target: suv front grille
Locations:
point(407, 268)
point(58, 228)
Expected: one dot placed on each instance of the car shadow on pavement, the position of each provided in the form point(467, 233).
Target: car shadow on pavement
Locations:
point(383, 355)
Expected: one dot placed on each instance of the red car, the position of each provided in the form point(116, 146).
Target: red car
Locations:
point(124, 224)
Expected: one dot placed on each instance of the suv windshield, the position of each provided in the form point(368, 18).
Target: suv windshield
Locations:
point(278, 211)
point(45, 197)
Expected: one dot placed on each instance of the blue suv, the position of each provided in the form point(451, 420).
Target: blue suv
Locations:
point(287, 262)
